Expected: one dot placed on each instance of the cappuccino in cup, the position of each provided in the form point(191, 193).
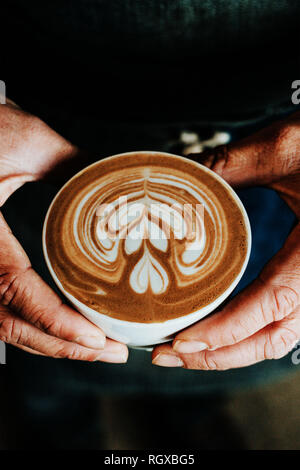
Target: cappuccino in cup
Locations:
point(145, 243)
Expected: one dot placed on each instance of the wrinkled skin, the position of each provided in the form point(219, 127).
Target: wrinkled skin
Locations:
point(262, 322)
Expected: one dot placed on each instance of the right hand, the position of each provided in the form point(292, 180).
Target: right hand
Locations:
point(32, 316)
point(263, 321)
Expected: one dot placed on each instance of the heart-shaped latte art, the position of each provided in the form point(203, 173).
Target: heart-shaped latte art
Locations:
point(146, 238)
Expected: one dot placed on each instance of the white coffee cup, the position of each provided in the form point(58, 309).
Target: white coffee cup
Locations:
point(145, 335)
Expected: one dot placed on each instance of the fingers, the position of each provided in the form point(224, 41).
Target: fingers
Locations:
point(16, 331)
point(263, 322)
point(273, 342)
point(257, 306)
point(258, 159)
point(25, 293)
point(270, 298)
point(31, 298)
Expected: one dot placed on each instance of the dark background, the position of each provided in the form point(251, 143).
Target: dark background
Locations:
point(123, 75)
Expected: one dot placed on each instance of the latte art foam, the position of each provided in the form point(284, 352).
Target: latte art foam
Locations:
point(149, 220)
point(146, 237)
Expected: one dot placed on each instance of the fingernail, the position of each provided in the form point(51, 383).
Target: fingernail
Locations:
point(185, 346)
point(113, 357)
point(93, 342)
point(167, 360)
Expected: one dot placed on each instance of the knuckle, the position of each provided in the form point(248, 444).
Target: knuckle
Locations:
point(279, 302)
point(65, 352)
point(279, 343)
point(46, 322)
point(8, 288)
point(74, 353)
point(10, 331)
point(240, 330)
point(206, 361)
point(285, 300)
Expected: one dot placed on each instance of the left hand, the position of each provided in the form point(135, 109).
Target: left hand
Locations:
point(263, 322)
point(32, 316)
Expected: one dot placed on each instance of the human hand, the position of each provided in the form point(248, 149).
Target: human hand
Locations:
point(262, 322)
point(32, 316)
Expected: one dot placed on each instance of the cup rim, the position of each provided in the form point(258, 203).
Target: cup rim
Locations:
point(206, 308)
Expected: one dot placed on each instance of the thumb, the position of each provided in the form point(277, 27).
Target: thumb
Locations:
point(259, 159)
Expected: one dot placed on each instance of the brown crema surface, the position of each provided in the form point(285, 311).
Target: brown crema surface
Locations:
point(145, 280)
